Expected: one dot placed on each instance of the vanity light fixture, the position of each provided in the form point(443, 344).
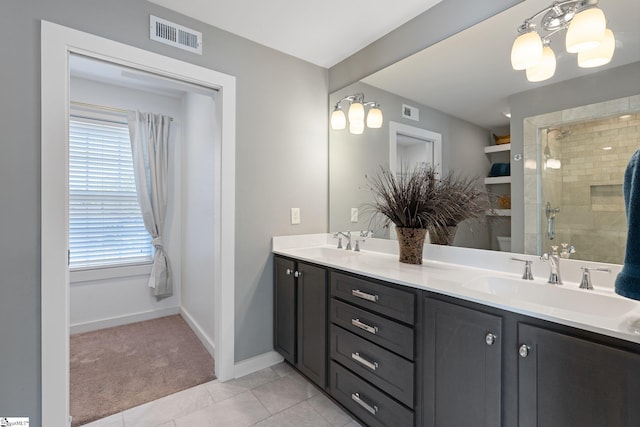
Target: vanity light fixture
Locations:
point(587, 35)
point(356, 114)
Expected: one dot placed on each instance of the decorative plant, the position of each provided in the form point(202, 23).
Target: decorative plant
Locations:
point(417, 198)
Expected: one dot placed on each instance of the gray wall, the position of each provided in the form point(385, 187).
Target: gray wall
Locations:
point(616, 83)
point(351, 157)
point(281, 163)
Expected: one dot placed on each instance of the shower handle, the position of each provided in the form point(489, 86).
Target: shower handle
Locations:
point(551, 228)
point(551, 220)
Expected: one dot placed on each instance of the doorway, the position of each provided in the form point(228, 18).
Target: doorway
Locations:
point(411, 147)
point(58, 43)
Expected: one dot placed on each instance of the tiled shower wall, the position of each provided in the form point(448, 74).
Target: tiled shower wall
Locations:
point(593, 158)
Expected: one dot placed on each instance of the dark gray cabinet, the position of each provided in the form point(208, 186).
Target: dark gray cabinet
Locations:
point(300, 317)
point(462, 366)
point(392, 355)
point(372, 349)
point(373, 407)
point(284, 308)
point(567, 381)
point(312, 323)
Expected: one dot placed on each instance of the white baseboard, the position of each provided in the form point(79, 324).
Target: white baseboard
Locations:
point(257, 363)
point(206, 340)
point(122, 320)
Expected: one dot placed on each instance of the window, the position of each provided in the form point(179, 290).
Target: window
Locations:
point(105, 223)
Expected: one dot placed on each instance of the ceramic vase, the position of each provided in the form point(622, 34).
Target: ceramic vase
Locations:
point(441, 236)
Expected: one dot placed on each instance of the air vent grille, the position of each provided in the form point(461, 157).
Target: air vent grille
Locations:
point(175, 35)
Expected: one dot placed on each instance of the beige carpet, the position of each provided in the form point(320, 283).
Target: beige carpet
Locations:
point(118, 368)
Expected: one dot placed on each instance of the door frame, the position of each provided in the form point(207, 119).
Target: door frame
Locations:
point(425, 135)
point(57, 43)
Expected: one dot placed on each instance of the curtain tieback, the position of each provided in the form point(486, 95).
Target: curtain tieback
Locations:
point(157, 242)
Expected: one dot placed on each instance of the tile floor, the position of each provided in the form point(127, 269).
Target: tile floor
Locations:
point(273, 397)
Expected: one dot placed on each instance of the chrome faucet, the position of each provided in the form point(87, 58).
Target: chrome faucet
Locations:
point(363, 236)
point(527, 268)
point(585, 283)
point(346, 235)
point(567, 250)
point(554, 264)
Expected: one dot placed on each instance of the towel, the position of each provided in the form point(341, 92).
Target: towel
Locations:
point(628, 281)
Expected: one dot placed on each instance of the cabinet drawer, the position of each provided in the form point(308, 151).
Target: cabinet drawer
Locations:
point(388, 371)
point(387, 300)
point(387, 333)
point(369, 404)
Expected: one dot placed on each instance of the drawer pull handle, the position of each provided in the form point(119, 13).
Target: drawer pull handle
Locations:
point(371, 409)
point(358, 324)
point(358, 293)
point(361, 360)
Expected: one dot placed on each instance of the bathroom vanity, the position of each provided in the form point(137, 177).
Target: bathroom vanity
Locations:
point(451, 345)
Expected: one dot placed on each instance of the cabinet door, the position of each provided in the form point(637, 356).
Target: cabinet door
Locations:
point(284, 316)
point(312, 323)
point(462, 379)
point(567, 381)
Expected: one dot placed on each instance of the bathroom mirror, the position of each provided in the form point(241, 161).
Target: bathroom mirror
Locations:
point(460, 89)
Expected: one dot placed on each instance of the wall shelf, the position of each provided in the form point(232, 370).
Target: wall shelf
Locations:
point(497, 148)
point(497, 180)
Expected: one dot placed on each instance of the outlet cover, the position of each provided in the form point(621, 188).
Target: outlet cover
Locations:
point(295, 216)
point(354, 214)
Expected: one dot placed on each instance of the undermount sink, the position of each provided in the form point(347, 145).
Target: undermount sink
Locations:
point(553, 297)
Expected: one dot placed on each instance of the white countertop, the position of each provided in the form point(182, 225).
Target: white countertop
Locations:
point(486, 277)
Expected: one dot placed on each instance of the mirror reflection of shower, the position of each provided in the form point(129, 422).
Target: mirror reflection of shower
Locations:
point(580, 197)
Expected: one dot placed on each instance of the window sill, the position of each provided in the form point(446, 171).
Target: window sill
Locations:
point(90, 274)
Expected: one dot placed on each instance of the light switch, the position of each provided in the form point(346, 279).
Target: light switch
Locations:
point(354, 214)
point(295, 216)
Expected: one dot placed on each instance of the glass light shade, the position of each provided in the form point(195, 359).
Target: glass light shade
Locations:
point(374, 118)
point(526, 51)
point(356, 112)
point(545, 69)
point(586, 30)
point(599, 55)
point(338, 120)
point(356, 127)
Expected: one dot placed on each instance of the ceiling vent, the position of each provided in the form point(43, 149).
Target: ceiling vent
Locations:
point(175, 35)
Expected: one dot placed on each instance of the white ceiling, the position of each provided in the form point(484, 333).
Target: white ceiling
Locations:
point(321, 32)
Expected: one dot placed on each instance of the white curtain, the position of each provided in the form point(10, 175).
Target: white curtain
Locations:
point(149, 135)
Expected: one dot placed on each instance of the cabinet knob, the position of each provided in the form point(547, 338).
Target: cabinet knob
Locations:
point(297, 274)
point(524, 350)
point(490, 338)
point(289, 271)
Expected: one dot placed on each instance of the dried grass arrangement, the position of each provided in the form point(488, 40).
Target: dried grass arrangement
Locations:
point(416, 198)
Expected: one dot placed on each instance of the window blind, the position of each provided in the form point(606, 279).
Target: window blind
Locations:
point(105, 222)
